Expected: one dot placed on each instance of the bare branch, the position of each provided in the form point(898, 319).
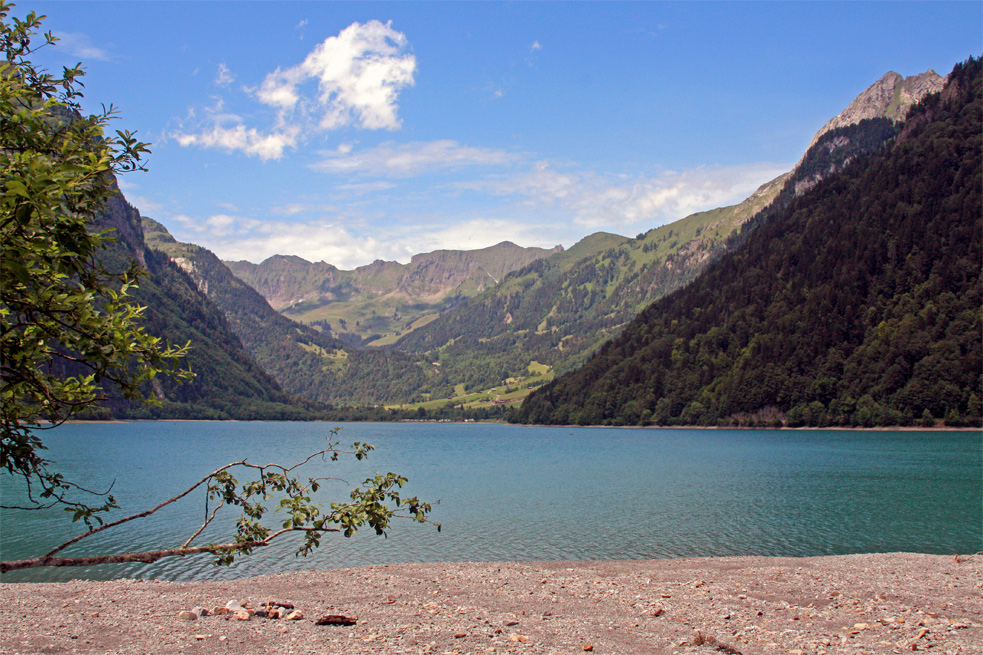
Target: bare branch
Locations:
point(203, 525)
point(148, 557)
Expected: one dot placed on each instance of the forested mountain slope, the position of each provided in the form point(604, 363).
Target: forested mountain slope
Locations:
point(556, 311)
point(228, 383)
point(302, 360)
point(857, 304)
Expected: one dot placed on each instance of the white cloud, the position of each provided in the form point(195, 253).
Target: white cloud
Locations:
point(294, 208)
point(361, 188)
point(411, 159)
point(483, 232)
point(535, 46)
point(312, 241)
point(224, 76)
point(80, 45)
point(359, 75)
point(247, 140)
point(336, 244)
point(603, 202)
point(146, 206)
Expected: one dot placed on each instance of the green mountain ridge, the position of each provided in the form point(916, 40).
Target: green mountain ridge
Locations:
point(859, 303)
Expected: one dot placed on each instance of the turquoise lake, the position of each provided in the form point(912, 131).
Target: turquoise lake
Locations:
point(531, 493)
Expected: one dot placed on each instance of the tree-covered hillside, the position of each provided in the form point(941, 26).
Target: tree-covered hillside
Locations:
point(228, 383)
point(557, 311)
point(301, 359)
point(858, 304)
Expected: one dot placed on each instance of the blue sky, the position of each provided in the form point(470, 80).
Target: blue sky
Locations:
point(348, 132)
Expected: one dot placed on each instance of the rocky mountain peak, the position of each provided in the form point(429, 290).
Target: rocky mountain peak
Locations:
point(889, 97)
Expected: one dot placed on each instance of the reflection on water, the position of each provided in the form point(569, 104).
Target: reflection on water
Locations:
point(521, 493)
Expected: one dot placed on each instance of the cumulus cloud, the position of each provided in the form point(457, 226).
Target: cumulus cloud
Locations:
point(352, 79)
point(410, 159)
point(311, 240)
point(358, 73)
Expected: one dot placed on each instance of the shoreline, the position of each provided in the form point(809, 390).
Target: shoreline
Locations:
point(837, 428)
point(878, 603)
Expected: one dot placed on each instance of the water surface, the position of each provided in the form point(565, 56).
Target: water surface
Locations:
point(533, 493)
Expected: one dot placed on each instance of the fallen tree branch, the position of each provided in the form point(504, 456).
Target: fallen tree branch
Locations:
point(375, 505)
point(148, 557)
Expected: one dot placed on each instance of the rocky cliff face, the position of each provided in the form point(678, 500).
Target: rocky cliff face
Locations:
point(889, 97)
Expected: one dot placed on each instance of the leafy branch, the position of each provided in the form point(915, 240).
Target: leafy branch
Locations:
point(375, 504)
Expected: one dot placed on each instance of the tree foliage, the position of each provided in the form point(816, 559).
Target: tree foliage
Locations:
point(374, 504)
point(67, 324)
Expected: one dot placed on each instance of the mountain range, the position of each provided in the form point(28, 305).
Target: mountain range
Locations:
point(374, 304)
point(858, 303)
point(465, 328)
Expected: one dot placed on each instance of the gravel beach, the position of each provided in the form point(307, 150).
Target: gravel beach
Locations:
point(884, 603)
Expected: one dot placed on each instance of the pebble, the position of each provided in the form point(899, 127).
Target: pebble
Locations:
point(185, 615)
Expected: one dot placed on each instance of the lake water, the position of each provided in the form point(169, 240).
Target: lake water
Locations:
point(522, 493)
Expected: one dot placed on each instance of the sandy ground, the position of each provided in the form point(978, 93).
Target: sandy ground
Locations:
point(886, 603)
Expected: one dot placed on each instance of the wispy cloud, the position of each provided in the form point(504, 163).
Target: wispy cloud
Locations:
point(294, 208)
point(411, 159)
point(146, 206)
point(362, 188)
point(352, 79)
point(596, 201)
point(81, 46)
point(224, 76)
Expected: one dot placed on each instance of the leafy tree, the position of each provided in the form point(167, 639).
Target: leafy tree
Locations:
point(69, 325)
